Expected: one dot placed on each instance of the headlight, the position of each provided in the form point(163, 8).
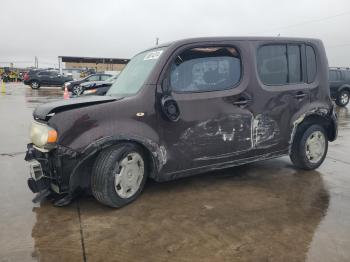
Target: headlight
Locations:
point(67, 84)
point(42, 135)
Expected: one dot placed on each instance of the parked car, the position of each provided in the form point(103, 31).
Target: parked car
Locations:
point(184, 108)
point(73, 86)
point(339, 82)
point(38, 77)
point(98, 88)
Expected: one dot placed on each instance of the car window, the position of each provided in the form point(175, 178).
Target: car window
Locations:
point(310, 64)
point(333, 76)
point(206, 69)
point(105, 77)
point(347, 75)
point(44, 73)
point(279, 64)
point(136, 72)
point(93, 78)
point(53, 73)
point(294, 64)
point(272, 64)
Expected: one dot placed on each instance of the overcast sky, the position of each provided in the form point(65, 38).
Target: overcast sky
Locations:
point(119, 29)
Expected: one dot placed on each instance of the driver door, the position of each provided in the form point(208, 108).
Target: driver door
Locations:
point(212, 125)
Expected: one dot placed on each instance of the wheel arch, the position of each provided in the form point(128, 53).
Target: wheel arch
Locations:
point(344, 87)
point(322, 117)
point(81, 174)
point(34, 80)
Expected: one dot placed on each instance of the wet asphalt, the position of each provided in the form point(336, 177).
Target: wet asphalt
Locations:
point(266, 211)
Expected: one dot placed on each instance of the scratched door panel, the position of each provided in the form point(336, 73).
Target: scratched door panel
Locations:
point(209, 131)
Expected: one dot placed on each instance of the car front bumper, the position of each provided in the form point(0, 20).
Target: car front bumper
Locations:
point(49, 170)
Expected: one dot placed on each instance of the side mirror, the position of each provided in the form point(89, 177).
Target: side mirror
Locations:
point(170, 108)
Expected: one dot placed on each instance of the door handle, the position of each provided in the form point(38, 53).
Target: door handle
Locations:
point(300, 95)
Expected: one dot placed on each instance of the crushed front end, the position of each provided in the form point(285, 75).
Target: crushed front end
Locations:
point(50, 165)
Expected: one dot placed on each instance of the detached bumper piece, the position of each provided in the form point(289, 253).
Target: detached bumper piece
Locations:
point(37, 182)
point(46, 176)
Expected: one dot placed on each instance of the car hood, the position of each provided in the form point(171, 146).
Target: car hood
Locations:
point(75, 82)
point(45, 111)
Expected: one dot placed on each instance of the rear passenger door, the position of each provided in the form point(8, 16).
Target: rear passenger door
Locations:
point(280, 92)
point(44, 77)
point(55, 78)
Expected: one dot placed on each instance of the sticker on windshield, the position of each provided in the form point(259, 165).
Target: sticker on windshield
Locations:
point(153, 55)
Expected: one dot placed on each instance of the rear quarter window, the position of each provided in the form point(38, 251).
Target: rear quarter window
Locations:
point(347, 76)
point(333, 76)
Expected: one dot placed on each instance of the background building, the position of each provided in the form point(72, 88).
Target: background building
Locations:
point(98, 64)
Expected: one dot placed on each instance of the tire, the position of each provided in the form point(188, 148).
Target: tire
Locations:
point(77, 90)
point(112, 175)
point(343, 98)
point(35, 84)
point(301, 147)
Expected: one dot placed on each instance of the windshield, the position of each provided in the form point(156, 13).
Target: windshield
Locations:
point(131, 79)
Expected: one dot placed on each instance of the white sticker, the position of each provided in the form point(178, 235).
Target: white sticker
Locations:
point(153, 55)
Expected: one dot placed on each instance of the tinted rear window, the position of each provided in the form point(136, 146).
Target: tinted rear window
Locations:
point(347, 75)
point(333, 76)
point(44, 73)
point(273, 64)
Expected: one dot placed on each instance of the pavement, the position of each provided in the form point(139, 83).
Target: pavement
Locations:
point(266, 211)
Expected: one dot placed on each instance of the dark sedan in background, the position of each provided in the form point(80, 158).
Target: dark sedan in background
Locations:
point(74, 86)
point(99, 88)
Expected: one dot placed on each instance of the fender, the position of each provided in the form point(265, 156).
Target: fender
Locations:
point(328, 115)
point(345, 86)
point(156, 152)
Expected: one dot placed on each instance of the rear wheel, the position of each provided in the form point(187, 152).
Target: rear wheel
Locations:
point(35, 85)
point(309, 147)
point(343, 98)
point(119, 175)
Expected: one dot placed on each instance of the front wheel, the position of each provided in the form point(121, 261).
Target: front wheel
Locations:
point(343, 98)
point(119, 175)
point(77, 90)
point(309, 147)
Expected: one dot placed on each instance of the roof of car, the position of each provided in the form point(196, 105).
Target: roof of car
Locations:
point(234, 38)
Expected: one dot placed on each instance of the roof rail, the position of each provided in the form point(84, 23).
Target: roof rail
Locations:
point(339, 67)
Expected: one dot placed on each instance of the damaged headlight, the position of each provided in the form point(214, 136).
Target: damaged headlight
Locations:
point(42, 135)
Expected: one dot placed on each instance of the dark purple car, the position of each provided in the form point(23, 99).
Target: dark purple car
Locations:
point(184, 108)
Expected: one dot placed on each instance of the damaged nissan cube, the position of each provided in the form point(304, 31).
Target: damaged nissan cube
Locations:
point(184, 108)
